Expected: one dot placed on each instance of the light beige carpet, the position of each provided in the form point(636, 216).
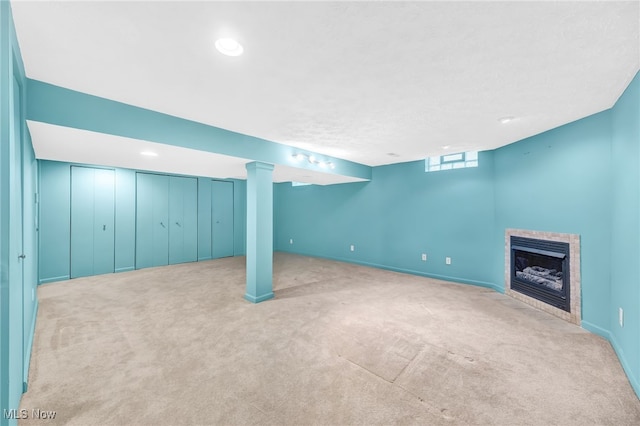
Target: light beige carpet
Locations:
point(339, 344)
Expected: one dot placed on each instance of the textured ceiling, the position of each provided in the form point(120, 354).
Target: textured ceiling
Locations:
point(356, 80)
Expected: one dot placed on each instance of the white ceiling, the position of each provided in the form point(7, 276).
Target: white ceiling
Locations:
point(354, 80)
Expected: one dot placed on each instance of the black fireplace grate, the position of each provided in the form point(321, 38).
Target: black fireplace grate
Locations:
point(540, 269)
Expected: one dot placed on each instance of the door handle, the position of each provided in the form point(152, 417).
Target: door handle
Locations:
point(104, 227)
point(162, 224)
point(22, 256)
point(178, 223)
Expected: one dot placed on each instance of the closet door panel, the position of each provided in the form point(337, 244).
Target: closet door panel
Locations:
point(104, 222)
point(160, 220)
point(92, 221)
point(190, 220)
point(152, 220)
point(144, 220)
point(176, 227)
point(222, 219)
point(183, 216)
point(204, 219)
point(82, 211)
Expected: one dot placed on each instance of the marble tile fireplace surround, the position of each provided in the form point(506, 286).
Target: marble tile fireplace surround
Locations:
point(571, 313)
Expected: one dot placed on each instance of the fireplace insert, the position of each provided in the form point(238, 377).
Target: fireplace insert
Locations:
point(540, 269)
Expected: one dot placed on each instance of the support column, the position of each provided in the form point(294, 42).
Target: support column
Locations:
point(259, 232)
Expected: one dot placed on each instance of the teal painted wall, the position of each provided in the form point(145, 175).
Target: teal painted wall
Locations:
point(55, 216)
point(402, 213)
point(625, 229)
point(18, 219)
point(560, 181)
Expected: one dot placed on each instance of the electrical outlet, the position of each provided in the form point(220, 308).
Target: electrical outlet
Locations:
point(621, 317)
point(290, 240)
point(447, 260)
point(424, 257)
point(352, 248)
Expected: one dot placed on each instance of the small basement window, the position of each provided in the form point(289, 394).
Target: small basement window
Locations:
point(460, 160)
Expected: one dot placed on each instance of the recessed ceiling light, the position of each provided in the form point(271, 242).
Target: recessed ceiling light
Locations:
point(229, 47)
point(393, 154)
point(505, 120)
point(149, 153)
point(446, 146)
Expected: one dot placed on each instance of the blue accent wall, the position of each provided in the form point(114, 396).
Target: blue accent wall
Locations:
point(625, 230)
point(580, 178)
point(55, 214)
point(402, 213)
point(560, 181)
point(18, 223)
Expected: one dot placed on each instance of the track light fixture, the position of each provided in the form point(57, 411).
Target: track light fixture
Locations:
point(313, 160)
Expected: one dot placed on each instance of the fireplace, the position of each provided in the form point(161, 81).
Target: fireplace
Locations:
point(540, 269)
